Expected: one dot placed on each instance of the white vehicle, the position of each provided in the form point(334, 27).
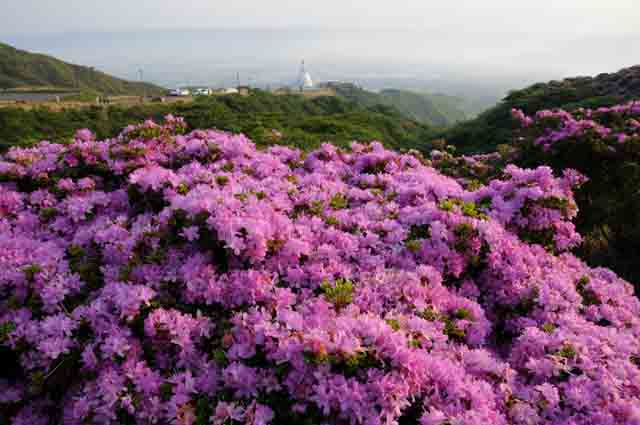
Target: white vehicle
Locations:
point(179, 92)
point(202, 92)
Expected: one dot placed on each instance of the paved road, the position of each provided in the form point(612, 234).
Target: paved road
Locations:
point(32, 97)
point(51, 104)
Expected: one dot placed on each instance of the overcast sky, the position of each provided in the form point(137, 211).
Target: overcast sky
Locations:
point(535, 17)
point(538, 38)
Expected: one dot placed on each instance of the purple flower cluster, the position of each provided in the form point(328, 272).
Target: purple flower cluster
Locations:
point(469, 170)
point(533, 203)
point(162, 277)
point(615, 124)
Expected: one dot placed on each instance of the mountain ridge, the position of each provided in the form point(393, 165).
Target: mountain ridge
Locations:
point(494, 126)
point(435, 110)
point(21, 68)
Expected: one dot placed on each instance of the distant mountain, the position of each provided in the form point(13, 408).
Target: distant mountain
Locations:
point(455, 106)
point(436, 110)
point(493, 127)
point(20, 69)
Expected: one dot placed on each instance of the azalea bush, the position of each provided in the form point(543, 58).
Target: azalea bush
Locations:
point(188, 278)
point(471, 171)
point(603, 144)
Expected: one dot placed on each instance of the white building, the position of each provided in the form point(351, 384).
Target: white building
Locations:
point(304, 80)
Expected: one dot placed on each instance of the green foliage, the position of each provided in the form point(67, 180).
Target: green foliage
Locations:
point(455, 108)
point(468, 208)
point(452, 331)
point(548, 328)
point(464, 233)
point(304, 123)
point(556, 203)
point(429, 314)
point(567, 351)
point(348, 365)
point(436, 110)
point(377, 168)
point(419, 231)
point(423, 107)
point(204, 410)
point(413, 245)
point(589, 297)
point(395, 325)
point(332, 221)
point(462, 314)
point(222, 180)
point(6, 329)
point(87, 264)
point(447, 205)
point(340, 294)
point(31, 271)
point(48, 213)
point(451, 328)
point(339, 202)
point(166, 391)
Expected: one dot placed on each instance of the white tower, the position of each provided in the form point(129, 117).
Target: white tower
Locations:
point(304, 80)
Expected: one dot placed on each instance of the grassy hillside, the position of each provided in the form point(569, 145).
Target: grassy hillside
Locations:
point(455, 108)
point(304, 123)
point(495, 126)
point(19, 68)
point(436, 110)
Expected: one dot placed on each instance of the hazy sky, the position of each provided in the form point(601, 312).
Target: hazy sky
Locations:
point(532, 38)
point(534, 17)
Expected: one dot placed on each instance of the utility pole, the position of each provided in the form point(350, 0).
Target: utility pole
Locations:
point(144, 88)
point(90, 78)
point(303, 71)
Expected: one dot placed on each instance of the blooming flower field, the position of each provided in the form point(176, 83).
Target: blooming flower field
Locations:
point(169, 278)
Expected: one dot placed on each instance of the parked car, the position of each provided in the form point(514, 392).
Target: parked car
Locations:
point(202, 92)
point(179, 92)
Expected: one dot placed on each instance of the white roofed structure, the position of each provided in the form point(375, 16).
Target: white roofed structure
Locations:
point(304, 80)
